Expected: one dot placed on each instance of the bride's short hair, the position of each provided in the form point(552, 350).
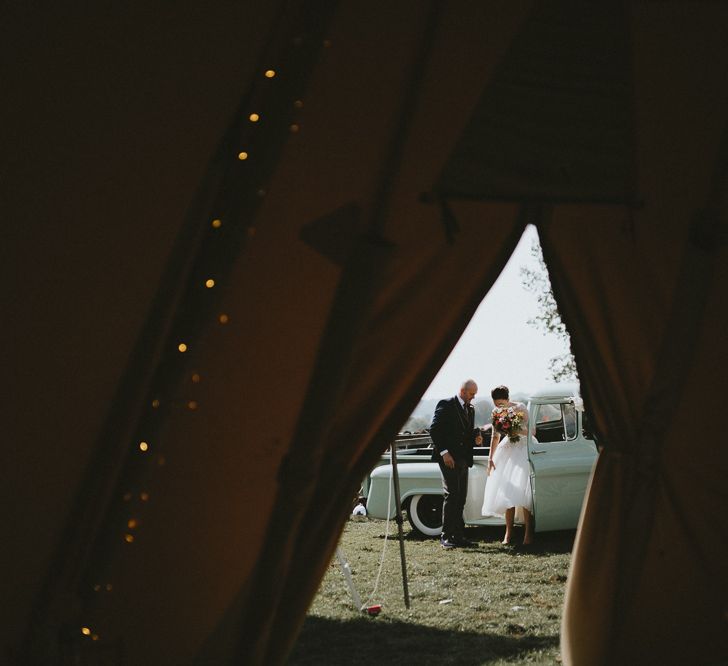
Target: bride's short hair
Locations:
point(499, 393)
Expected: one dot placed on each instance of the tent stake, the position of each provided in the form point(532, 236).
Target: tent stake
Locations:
point(346, 570)
point(398, 504)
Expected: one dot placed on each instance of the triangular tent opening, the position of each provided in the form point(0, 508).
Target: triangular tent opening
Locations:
point(175, 186)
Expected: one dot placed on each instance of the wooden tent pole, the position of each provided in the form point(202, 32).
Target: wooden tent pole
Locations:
point(398, 505)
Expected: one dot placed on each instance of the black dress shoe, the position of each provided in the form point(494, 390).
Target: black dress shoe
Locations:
point(447, 543)
point(462, 542)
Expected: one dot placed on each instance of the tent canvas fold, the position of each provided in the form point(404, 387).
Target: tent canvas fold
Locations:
point(317, 311)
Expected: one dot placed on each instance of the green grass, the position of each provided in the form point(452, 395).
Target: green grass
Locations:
point(505, 602)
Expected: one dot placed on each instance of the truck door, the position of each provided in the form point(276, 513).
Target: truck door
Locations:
point(561, 462)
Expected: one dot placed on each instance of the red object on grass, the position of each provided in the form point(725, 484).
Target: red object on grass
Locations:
point(374, 610)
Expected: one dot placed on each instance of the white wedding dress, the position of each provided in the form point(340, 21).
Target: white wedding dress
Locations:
point(509, 484)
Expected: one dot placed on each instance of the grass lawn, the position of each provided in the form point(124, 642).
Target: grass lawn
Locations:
point(492, 604)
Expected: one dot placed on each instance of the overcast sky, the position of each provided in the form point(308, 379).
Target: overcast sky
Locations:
point(512, 352)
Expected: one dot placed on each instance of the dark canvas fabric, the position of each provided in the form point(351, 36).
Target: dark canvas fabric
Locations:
point(381, 193)
point(555, 122)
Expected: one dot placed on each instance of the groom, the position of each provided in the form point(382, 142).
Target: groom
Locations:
point(453, 438)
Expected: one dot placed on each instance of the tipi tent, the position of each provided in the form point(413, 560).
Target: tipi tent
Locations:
point(239, 240)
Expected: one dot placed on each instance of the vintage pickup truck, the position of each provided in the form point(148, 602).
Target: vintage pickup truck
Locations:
point(561, 451)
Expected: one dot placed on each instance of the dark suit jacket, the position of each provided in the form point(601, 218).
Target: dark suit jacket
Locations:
point(453, 430)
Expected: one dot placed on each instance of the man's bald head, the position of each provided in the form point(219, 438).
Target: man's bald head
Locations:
point(468, 389)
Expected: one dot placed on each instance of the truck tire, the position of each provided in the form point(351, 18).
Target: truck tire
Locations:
point(425, 514)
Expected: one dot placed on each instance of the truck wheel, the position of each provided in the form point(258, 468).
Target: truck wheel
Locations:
point(425, 514)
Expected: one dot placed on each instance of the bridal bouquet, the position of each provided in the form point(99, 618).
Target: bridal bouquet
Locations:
point(507, 420)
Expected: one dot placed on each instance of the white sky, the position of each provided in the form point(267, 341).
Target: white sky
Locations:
point(510, 352)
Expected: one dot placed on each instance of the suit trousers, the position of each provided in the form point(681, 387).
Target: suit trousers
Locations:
point(455, 489)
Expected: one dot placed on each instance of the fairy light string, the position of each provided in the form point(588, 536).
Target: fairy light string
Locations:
point(269, 117)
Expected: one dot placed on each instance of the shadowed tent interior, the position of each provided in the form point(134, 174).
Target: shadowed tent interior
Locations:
point(239, 241)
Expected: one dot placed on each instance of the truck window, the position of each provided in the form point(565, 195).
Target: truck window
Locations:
point(556, 423)
point(569, 412)
point(549, 424)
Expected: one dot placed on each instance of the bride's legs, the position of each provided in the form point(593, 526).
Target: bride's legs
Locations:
point(510, 514)
point(527, 535)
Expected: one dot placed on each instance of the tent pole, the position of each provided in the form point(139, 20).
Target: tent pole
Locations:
point(398, 505)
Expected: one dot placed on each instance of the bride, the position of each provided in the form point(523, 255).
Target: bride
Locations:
point(508, 484)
